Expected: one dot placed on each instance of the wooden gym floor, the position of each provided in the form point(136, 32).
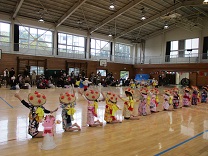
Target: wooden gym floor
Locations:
point(183, 132)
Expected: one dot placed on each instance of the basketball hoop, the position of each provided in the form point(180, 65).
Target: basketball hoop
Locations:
point(103, 62)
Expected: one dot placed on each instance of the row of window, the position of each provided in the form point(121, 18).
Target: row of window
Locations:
point(35, 38)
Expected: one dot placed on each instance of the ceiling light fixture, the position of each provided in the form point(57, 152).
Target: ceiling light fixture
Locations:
point(166, 26)
point(205, 2)
point(143, 14)
point(41, 20)
point(110, 35)
point(143, 18)
point(112, 5)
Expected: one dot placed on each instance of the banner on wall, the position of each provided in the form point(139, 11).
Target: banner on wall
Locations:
point(140, 77)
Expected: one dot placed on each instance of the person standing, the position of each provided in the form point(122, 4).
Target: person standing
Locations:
point(33, 78)
point(6, 76)
point(11, 74)
point(204, 94)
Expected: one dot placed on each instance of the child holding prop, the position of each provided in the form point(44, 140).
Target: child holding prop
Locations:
point(176, 98)
point(111, 107)
point(167, 100)
point(195, 95)
point(154, 100)
point(91, 97)
point(144, 102)
point(130, 110)
point(186, 97)
point(36, 115)
point(204, 94)
point(67, 103)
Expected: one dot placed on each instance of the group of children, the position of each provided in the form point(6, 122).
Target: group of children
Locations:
point(132, 108)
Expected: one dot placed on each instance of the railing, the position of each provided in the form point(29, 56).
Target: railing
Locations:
point(173, 59)
point(49, 52)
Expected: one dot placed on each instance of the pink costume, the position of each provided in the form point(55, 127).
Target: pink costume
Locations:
point(143, 105)
point(166, 103)
point(91, 112)
point(186, 99)
point(153, 106)
point(48, 125)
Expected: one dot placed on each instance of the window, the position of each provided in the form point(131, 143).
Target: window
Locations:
point(71, 44)
point(33, 38)
point(76, 71)
point(38, 70)
point(174, 49)
point(124, 75)
point(192, 47)
point(100, 48)
point(184, 48)
point(102, 72)
point(4, 33)
point(122, 51)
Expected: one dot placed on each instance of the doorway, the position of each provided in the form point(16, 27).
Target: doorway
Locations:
point(180, 76)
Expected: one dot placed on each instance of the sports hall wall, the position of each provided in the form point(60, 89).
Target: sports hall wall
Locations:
point(155, 47)
point(10, 60)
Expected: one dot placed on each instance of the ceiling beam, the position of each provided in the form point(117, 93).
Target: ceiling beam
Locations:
point(156, 33)
point(201, 11)
point(143, 23)
point(193, 3)
point(70, 12)
point(170, 9)
point(16, 9)
point(118, 13)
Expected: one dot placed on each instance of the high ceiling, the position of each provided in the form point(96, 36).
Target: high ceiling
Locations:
point(122, 22)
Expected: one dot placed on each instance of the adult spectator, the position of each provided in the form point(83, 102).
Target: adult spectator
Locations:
point(6, 77)
point(11, 74)
point(33, 78)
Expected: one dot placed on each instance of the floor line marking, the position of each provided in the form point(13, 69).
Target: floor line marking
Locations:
point(6, 102)
point(179, 144)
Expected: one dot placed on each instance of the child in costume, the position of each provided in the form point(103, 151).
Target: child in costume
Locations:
point(130, 110)
point(176, 98)
point(67, 103)
point(204, 95)
point(91, 96)
point(36, 115)
point(111, 107)
point(186, 97)
point(144, 102)
point(132, 84)
point(154, 83)
point(154, 100)
point(195, 94)
point(167, 100)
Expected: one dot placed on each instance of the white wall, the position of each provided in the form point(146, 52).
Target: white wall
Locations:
point(156, 47)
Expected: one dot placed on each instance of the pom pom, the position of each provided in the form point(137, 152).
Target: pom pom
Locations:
point(31, 97)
